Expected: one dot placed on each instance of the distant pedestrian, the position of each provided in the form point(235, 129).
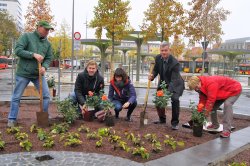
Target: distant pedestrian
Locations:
point(169, 70)
point(213, 92)
point(31, 49)
point(122, 93)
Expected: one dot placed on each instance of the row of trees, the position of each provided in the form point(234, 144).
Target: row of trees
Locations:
point(163, 19)
point(8, 33)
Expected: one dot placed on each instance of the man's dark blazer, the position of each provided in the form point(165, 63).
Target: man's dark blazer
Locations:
point(172, 74)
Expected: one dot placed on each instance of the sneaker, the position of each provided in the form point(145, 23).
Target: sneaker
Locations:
point(225, 134)
point(175, 127)
point(212, 127)
point(11, 123)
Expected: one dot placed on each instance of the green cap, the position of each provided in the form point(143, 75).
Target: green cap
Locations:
point(45, 24)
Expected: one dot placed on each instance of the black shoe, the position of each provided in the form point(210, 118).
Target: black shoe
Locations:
point(116, 115)
point(128, 119)
point(159, 122)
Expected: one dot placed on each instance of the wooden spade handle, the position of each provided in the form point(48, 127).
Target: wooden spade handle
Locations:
point(148, 87)
point(40, 87)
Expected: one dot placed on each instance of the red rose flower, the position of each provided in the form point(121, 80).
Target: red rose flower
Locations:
point(160, 93)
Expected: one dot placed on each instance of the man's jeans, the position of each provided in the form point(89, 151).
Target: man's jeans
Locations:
point(21, 84)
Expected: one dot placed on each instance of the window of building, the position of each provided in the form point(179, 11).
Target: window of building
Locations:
point(3, 4)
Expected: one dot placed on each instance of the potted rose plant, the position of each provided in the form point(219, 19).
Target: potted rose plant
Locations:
point(92, 102)
point(162, 96)
point(198, 118)
point(107, 106)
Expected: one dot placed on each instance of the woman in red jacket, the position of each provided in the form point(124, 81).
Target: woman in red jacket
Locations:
point(214, 91)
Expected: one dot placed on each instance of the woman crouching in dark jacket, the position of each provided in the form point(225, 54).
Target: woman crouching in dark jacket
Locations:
point(122, 93)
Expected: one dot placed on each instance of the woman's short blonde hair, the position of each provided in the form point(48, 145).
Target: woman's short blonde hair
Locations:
point(193, 82)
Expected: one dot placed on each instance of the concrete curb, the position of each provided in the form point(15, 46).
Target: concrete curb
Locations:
point(222, 159)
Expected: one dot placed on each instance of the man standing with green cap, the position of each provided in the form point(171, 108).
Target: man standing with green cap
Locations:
point(31, 48)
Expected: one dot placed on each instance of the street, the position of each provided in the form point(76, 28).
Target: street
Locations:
point(242, 105)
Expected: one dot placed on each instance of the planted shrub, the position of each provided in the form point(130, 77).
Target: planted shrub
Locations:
point(26, 144)
point(68, 110)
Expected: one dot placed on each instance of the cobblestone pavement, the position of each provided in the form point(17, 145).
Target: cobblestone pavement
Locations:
point(64, 158)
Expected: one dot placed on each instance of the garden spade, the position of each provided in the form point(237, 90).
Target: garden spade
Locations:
point(143, 115)
point(41, 116)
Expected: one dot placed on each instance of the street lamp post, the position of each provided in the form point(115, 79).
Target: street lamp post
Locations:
point(72, 50)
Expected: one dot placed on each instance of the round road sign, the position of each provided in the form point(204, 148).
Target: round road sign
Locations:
point(77, 35)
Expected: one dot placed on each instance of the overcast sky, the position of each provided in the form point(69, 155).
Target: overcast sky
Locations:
point(236, 26)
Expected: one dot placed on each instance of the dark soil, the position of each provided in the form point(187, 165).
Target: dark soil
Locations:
point(27, 117)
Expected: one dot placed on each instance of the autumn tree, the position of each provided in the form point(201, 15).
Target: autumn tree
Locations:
point(63, 36)
point(112, 16)
point(8, 32)
point(177, 47)
point(37, 10)
point(166, 17)
point(204, 21)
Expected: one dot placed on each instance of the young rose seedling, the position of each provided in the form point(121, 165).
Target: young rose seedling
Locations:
point(104, 132)
point(59, 128)
point(27, 145)
point(2, 144)
point(99, 143)
point(122, 145)
point(172, 143)
point(238, 164)
point(72, 142)
point(151, 137)
point(41, 134)
point(83, 129)
point(141, 151)
point(73, 135)
point(71, 139)
point(33, 128)
point(156, 147)
point(21, 136)
point(114, 138)
point(13, 130)
point(49, 142)
point(93, 135)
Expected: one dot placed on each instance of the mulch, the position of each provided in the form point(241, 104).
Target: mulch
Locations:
point(27, 117)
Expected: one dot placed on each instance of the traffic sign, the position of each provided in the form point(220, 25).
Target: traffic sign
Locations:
point(77, 36)
point(77, 45)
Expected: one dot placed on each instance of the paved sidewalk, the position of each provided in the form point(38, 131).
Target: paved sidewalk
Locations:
point(63, 158)
point(209, 153)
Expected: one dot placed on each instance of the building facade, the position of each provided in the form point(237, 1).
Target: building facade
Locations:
point(238, 44)
point(13, 7)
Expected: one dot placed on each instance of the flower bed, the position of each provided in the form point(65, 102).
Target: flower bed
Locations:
point(27, 117)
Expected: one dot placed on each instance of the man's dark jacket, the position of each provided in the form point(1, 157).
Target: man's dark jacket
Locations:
point(85, 83)
point(172, 74)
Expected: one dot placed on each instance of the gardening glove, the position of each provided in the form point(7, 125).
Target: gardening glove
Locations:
point(125, 105)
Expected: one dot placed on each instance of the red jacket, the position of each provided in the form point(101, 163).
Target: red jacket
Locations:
point(217, 88)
